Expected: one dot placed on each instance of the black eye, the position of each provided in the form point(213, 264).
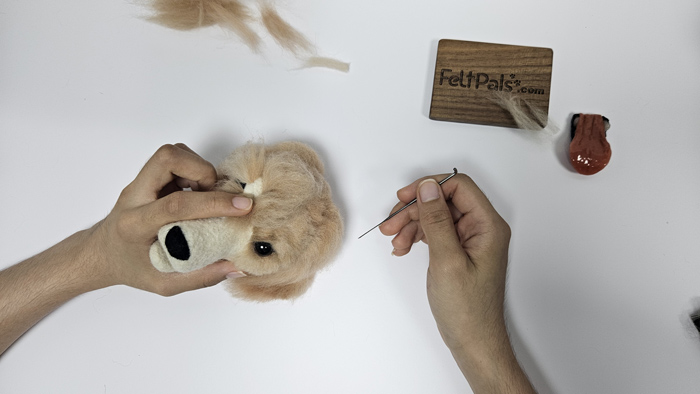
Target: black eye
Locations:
point(242, 184)
point(263, 249)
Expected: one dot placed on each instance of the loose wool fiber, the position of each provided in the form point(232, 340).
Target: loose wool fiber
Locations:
point(239, 18)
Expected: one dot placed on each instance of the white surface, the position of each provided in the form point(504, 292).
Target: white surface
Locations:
point(604, 269)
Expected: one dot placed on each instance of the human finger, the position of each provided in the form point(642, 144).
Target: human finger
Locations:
point(405, 196)
point(436, 222)
point(466, 196)
point(183, 183)
point(408, 215)
point(187, 148)
point(401, 252)
point(408, 193)
point(169, 163)
point(396, 223)
point(408, 235)
point(171, 187)
point(176, 185)
point(179, 184)
point(213, 274)
point(186, 183)
point(185, 205)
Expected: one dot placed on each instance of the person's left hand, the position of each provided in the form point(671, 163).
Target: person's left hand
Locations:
point(118, 246)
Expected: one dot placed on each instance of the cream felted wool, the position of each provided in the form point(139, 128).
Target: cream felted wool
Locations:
point(193, 244)
point(292, 231)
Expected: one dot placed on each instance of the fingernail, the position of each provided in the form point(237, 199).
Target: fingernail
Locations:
point(393, 252)
point(242, 203)
point(428, 190)
point(235, 274)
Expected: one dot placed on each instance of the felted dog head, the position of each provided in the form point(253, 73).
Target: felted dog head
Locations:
point(292, 231)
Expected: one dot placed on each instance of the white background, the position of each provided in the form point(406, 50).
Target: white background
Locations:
point(604, 269)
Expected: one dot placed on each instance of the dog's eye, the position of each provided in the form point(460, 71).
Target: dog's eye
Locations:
point(263, 249)
point(241, 184)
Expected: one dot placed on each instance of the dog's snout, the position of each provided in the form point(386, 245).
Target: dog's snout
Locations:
point(176, 243)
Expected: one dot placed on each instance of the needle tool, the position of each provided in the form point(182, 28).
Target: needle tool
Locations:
point(454, 172)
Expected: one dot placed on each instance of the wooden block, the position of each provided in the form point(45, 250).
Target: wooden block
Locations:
point(468, 74)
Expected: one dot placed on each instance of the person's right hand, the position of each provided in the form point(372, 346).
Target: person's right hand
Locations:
point(468, 249)
point(468, 246)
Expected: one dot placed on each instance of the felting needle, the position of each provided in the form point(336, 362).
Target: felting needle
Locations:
point(454, 172)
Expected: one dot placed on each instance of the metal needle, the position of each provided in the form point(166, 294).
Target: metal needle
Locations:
point(408, 205)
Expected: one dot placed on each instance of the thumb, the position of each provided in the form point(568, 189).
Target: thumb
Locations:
point(436, 222)
point(208, 276)
point(217, 272)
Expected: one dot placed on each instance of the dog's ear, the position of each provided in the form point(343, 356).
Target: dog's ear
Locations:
point(256, 290)
point(304, 151)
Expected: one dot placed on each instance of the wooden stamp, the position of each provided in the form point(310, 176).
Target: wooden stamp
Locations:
point(469, 76)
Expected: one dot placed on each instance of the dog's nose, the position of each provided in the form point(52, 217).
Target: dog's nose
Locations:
point(176, 243)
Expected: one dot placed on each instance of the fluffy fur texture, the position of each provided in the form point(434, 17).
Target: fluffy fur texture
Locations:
point(239, 18)
point(285, 35)
point(193, 14)
point(319, 61)
point(525, 115)
point(293, 230)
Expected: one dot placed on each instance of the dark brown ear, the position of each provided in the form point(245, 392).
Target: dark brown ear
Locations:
point(250, 290)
